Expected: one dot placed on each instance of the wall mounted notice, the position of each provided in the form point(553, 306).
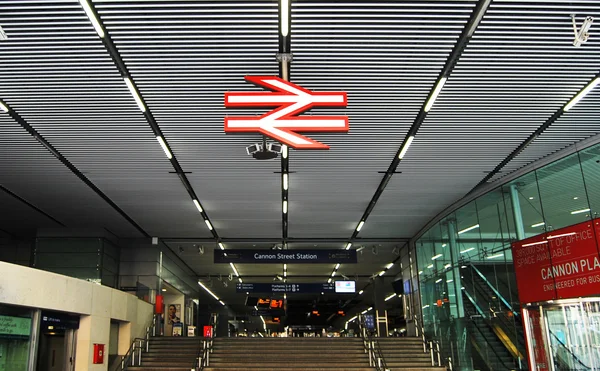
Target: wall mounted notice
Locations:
point(557, 265)
point(15, 326)
point(285, 256)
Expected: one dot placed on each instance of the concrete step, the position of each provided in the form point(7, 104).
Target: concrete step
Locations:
point(395, 365)
point(284, 357)
point(244, 351)
point(407, 358)
point(289, 368)
point(153, 368)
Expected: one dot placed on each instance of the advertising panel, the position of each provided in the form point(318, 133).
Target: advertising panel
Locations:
point(558, 265)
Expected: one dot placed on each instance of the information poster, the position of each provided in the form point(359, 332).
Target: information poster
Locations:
point(18, 326)
point(559, 264)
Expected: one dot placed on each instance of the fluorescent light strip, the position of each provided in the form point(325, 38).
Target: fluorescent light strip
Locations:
point(207, 290)
point(390, 297)
point(234, 270)
point(435, 93)
point(208, 224)
point(579, 211)
point(240, 279)
point(285, 273)
point(92, 17)
point(361, 292)
point(438, 280)
point(221, 246)
point(348, 245)
point(582, 94)
point(389, 266)
point(164, 146)
point(285, 182)
point(436, 256)
point(198, 206)
point(284, 267)
point(284, 151)
point(534, 243)
point(406, 145)
point(448, 281)
point(430, 266)
point(3, 107)
point(329, 280)
point(285, 17)
point(369, 308)
point(363, 312)
point(467, 250)
point(447, 266)
point(420, 272)
point(560, 235)
point(495, 256)
point(337, 266)
point(538, 224)
point(381, 273)
point(135, 94)
point(360, 225)
point(285, 207)
point(333, 274)
point(220, 301)
point(352, 319)
point(426, 306)
point(468, 229)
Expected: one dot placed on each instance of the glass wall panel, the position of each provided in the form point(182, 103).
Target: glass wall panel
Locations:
point(563, 195)
point(468, 287)
point(590, 164)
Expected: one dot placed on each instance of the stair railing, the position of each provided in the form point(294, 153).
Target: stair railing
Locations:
point(203, 356)
point(432, 346)
point(133, 357)
point(372, 348)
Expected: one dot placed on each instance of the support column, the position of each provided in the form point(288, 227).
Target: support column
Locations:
point(517, 215)
point(379, 305)
point(92, 330)
point(456, 263)
point(34, 339)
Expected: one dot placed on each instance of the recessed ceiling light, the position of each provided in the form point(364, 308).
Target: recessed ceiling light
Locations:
point(164, 290)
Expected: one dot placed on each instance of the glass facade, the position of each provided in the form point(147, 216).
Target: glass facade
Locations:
point(468, 289)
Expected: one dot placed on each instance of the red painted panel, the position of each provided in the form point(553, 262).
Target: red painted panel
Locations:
point(559, 264)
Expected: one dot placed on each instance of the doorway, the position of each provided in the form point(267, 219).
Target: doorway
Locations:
point(564, 335)
point(57, 351)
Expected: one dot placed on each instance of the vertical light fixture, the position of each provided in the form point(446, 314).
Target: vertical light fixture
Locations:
point(285, 207)
point(208, 224)
point(285, 182)
point(285, 18)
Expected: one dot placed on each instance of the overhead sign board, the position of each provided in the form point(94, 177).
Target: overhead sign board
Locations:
point(288, 288)
point(557, 265)
point(285, 256)
point(283, 122)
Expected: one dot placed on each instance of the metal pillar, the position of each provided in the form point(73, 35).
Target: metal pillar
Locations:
point(517, 215)
point(456, 264)
point(34, 339)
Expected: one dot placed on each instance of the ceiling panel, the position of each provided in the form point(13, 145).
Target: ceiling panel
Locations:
point(202, 50)
point(32, 173)
point(372, 53)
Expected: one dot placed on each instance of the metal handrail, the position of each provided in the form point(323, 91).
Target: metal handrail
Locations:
point(203, 355)
point(138, 344)
point(372, 348)
point(433, 346)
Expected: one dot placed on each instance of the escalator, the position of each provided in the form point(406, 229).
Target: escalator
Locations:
point(497, 333)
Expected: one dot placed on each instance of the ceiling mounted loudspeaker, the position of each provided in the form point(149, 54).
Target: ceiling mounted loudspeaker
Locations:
point(582, 34)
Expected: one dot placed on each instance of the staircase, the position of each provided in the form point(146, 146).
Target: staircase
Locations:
point(405, 353)
point(170, 354)
point(288, 354)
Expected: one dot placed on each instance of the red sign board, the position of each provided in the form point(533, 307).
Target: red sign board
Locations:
point(559, 264)
point(283, 121)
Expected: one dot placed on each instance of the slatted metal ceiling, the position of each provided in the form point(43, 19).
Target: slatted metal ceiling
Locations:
point(517, 70)
point(371, 51)
point(183, 57)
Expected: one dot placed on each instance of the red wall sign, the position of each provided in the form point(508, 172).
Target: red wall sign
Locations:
point(560, 264)
point(282, 122)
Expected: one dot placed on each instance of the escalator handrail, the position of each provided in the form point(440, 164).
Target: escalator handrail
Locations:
point(569, 350)
point(504, 323)
point(493, 289)
point(486, 340)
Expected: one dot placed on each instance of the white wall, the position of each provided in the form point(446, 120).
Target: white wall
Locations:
point(97, 305)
